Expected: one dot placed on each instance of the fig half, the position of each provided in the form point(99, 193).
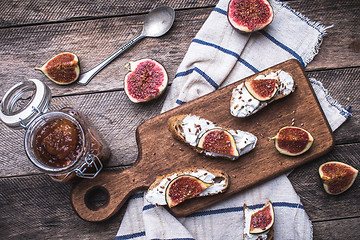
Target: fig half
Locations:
point(262, 89)
point(293, 141)
point(250, 15)
point(146, 80)
point(263, 219)
point(337, 177)
point(182, 188)
point(219, 142)
point(62, 69)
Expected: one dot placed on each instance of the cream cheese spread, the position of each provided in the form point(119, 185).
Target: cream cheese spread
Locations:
point(156, 196)
point(194, 127)
point(243, 104)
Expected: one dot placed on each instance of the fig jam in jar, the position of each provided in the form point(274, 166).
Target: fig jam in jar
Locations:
point(61, 143)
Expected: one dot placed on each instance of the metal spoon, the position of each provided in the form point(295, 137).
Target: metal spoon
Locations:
point(157, 22)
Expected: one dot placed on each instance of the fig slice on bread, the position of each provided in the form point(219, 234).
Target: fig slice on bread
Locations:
point(258, 222)
point(210, 139)
point(257, 92)
point(174, 188)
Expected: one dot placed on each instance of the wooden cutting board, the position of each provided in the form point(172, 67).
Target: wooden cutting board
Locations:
point(161, 154)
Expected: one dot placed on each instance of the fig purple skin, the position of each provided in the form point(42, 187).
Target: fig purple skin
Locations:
point(146, 80)
point(250, 15)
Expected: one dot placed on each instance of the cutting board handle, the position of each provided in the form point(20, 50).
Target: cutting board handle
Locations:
point(112, 188)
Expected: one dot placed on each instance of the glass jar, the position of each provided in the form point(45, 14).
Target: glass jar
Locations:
point(62, 144)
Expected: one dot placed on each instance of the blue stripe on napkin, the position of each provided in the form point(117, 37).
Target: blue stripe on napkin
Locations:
point(271, 38)
point(235, 209)
point(283, 46)
point(173, 239)
point(227, 51)
point(202, 73)
point(130, 236)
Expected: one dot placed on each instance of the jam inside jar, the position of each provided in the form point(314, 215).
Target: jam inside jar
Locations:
point(65, 145)
point(58, 143)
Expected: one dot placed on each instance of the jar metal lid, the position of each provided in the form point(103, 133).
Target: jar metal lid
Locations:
point(23, 102)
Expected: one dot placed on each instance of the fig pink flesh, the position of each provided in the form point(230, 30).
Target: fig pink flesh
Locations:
point(250, 14)
point(338, 177)
point(262, 89)
point(293, 140)
point(182, 188)
point(145, 81)
point(262, 219)
point(219, 141)
point(62, 68)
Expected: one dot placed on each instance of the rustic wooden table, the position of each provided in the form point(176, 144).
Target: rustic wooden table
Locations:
point(33, 207)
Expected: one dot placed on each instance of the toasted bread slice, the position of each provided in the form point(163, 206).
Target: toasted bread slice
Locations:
point(218, 179)
point(243, 104)
point(190, 128)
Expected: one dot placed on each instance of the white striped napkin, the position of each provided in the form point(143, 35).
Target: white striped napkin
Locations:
point(220, 55)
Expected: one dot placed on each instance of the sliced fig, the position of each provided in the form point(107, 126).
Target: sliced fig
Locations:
point(146, 80)
point(184, 187)
point(262, 89)
point(337, 177)
point(250, 15)
point(293, 141)
point(263, 219)
point(62, 69)
point(218, 141)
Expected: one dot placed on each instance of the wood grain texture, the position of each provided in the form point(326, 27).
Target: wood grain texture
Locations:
point(330, 230)
point(23, 48)
point(170, 155)
point(31, 12)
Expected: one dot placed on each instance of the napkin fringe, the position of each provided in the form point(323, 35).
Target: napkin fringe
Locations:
point(316, 25)
point(331, 100)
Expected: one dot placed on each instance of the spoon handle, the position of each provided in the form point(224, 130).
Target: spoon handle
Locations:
point(85, 77)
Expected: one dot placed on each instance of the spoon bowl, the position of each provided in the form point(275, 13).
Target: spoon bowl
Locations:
point(157, 22)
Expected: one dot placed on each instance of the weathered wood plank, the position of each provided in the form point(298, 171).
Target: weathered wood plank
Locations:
point(318, 204)
point(23, 48)
point(337, 229)
point(342, 42)
point(41, 11)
